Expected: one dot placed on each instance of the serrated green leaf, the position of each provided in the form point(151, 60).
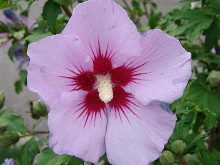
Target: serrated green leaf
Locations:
point(202, 95)
point(184, 4)
point(210, 122)
point(29, 150)
point(7, 139)
point(191, 141)
point(48, 157)
point(37, 36)
point(50, 13)
point(11, 122)
point(193, 22)
point(212, 34)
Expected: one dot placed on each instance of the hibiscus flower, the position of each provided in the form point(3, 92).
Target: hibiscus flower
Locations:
point(108, 86)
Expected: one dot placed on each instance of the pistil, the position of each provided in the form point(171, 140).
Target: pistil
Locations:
point(105, 90)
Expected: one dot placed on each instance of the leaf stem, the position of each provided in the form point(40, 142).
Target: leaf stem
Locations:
point(66, 10)
point(137, 21)
point(182, 161)
point(212, 139)
point(145, 9)
point(38, 132)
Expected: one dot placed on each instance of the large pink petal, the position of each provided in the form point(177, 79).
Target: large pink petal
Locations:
point(104, 24)
point(164, 69)
point(51, 59)
point(138, 138)
point(68, 132)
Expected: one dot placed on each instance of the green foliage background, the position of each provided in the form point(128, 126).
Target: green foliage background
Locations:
point(196, 138)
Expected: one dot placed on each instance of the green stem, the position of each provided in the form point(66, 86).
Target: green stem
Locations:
point(145, 9)
point(212, 139)
point(137, 21)
point(66, 10)
point(182, 161)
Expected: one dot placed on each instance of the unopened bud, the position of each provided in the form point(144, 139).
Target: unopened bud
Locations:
point(39, 110)
point(12, 16)
point(192, 159)
point(178, 147)
point(214, 78)
point(2, 99)
point(166, 158)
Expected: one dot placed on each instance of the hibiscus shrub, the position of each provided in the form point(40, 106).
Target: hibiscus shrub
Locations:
point(114, 93)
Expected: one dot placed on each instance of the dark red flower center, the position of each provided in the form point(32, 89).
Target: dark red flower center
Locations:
point(103, 82)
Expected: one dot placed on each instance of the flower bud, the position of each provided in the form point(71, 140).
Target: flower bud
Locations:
point(2, 99)
point(11, 15)
point(166, 158)
point(8, 139)
point(214, 78)
point(192, 159)
point(39, 110)
point(178, 147)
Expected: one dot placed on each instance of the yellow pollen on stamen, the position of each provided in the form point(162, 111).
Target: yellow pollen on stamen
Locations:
point(105, 90)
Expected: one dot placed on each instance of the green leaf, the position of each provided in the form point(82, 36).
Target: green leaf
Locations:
point(23, 76)
point(202, 95)
point(210, 122)
point(48, 157)
point(2, 99)
point(184, 4)
point(4, 4)
point(3, 39)
point(212, 34)
point(192, 141)
point(9, 152)
point(11, 53)
point(3, 27)
point(22, 80)
point(11, 122)
point(50, 13)
point(18, 86)
point(103, 160)
point(37, 36)
point(193, 22)
point(7, 139)
point(57, 1)
point(154, 18)
point(19, 34)
point(29, 150)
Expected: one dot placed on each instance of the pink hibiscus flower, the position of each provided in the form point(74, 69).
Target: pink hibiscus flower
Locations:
point(105, 82)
